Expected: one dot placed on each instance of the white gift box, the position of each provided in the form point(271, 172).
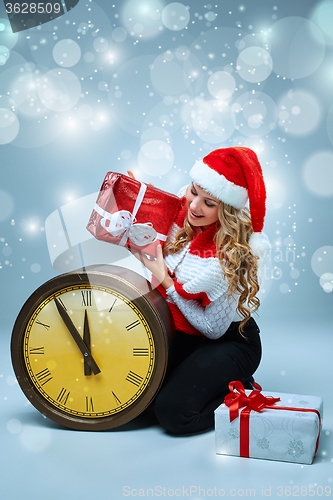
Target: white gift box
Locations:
point(274, 434)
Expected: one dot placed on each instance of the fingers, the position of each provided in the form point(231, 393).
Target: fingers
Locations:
point(159, 252)
point(130, 174)
point(143, 258)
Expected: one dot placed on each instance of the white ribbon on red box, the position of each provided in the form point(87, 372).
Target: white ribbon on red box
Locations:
point(124, 222)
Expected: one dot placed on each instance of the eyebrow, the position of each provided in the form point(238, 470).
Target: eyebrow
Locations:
point(206, 198)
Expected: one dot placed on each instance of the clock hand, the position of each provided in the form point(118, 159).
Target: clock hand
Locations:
point(77, 337)
point(86, 338)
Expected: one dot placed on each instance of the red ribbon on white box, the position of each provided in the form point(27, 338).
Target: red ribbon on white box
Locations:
point(256, 401)
point(124, 222)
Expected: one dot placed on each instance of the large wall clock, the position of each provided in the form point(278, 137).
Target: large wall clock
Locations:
point(90, 348)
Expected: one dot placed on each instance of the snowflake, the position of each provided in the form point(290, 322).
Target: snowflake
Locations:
point(234, 433)
point(263, 443)
point(296, 448)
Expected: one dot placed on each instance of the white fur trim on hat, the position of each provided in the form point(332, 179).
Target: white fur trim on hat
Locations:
point(218, 186)
point(259, 244)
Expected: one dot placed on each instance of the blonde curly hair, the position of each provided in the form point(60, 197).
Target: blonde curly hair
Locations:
point(238, 262)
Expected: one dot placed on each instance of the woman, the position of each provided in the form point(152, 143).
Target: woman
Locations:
point(208, 273)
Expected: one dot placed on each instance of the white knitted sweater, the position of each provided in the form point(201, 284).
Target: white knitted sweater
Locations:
point(198, 298)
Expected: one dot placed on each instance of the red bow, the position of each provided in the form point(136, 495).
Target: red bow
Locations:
point(257, 402)
point(254, 401)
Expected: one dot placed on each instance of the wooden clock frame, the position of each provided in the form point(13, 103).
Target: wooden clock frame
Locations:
point(150, 303)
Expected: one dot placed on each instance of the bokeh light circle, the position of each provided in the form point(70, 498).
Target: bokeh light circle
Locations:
point(322, 261)
point(60, 89)
point(175, 16)
point(284, 288)
point(165, 116)
point(24, 89)
point(7, 102)
point(119, 35)
point(254, 64)
point(168, 76)
point(213, 122)
point(101, 44)
point(6, 205)
point(318, 173)
point(323, 17)
point(295, 273)
point(326, 282)
point(276, 193)
point(9, 126)
point(210, 45)
point(299, 112)
point(210, 16)
point(89, 57)
point(260, 40)
point(221, 85)
point(155, 134)
point(7, 37)
point(4, 55)
point(66, 53)
point(128, 111)
point(7, 251)
point(330, 124)
point(143, 18)
point(35, 439)
point(256, 113)
point(297, 47)
point(155, 158)
point(14, 426)
point(35, 268)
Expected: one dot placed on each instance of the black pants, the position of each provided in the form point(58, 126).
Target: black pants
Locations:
point(202, 370)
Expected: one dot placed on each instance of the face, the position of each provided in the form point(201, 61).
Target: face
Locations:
point(202, 206)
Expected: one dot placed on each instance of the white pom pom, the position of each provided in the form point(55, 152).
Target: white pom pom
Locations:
point(259, 244)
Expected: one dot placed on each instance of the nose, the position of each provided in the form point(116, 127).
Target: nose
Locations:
point(196, 204)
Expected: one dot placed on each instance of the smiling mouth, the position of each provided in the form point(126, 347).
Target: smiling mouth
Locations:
point(194, 215)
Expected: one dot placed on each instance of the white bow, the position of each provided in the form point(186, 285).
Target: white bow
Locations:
point(124, 222)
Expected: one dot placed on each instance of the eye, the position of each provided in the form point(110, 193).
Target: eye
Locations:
point(193, 192)
point(209, 204)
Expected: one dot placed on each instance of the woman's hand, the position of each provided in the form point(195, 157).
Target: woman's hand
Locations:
point(157, 267)
point(130, 174)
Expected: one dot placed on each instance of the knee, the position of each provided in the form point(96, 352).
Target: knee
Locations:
point(169, 415)
point(177, 416)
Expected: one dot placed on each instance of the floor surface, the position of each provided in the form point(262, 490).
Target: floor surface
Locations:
point(41, 460)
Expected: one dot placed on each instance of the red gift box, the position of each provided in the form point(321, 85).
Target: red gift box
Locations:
point(133, 214)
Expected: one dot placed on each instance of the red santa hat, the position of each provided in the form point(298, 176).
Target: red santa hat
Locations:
point(234, 176)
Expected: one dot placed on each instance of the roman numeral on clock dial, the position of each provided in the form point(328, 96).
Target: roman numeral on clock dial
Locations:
point(86, 298)
point(44, 376)
point(42, 324)
point(36, 350)
point(140, 351)
point(132, 325)
point(89, 404)
point(63, 396)
point(134, 378)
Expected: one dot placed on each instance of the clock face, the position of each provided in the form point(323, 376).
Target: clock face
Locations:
point(106, 376)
